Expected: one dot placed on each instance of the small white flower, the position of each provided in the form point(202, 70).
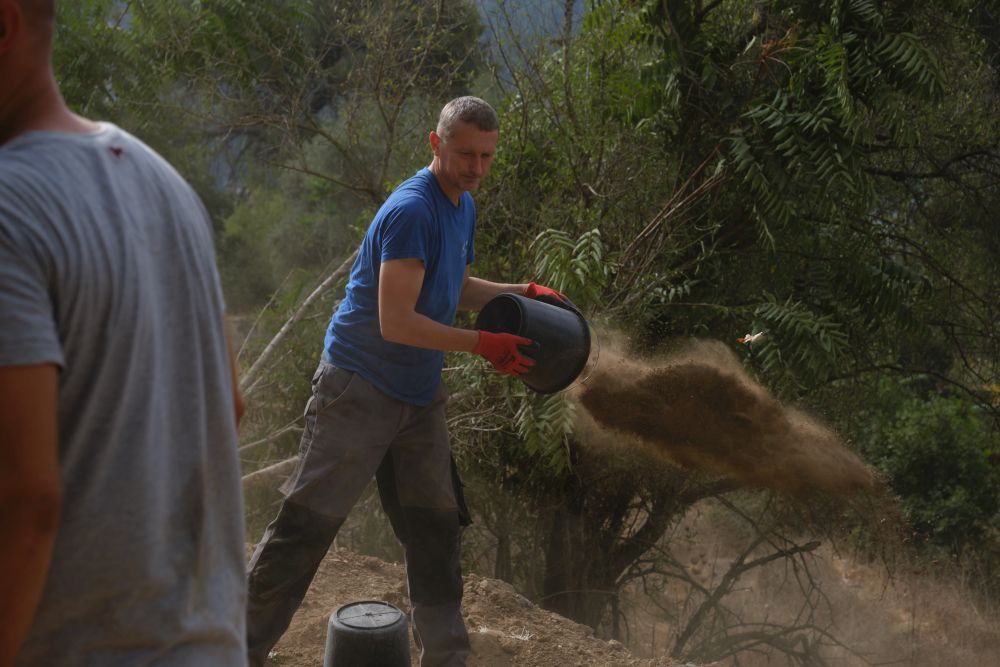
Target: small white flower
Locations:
point(750, 338)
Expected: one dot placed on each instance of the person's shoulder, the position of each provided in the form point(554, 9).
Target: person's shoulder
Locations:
point(36, 153)
point(117, 137)
point(412, 197)
point(16, 166)
point(24, 183)
point(417, 186)
point(155, 169)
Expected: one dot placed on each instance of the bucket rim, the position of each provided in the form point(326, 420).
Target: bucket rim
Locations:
point(519, 300)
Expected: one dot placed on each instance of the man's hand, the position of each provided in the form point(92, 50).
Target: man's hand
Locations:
point(548, 295)
point(502, 350)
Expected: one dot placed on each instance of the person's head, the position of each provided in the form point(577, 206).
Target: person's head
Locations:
point(464, 144)
point(26, 29)
point(468, 109)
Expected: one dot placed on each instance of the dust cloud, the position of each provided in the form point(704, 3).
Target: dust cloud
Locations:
point(700, 410)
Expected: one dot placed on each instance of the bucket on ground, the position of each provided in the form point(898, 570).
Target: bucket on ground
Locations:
point(367, 633)
point(562, 334)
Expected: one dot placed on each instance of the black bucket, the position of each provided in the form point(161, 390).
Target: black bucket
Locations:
point(562, 335)
point(367, 633)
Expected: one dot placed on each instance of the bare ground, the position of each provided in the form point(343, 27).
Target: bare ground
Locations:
point(912, 618)
point(505, 628)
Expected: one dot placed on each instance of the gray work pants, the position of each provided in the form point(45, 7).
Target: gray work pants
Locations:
point(352, 432)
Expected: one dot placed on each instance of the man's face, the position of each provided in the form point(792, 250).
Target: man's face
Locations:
point(25, 41)
point(464, 158)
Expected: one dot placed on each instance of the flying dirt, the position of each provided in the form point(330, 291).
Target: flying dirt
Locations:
point(700, 410)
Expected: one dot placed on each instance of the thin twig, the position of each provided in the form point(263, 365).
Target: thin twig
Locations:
point(247, 382)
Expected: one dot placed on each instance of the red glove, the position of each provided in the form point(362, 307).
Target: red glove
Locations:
point(534, 290)
point(501, 350)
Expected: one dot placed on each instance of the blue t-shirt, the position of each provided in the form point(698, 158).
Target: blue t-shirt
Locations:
point(417, 221)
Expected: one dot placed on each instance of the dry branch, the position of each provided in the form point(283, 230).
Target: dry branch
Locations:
point(249, 378)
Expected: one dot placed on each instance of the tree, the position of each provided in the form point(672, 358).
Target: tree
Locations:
point(738, 181)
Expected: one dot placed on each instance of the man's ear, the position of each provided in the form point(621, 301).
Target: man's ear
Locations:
point(435, 140)
point(11, 24)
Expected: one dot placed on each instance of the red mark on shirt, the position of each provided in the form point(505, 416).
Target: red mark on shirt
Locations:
point(117, 151)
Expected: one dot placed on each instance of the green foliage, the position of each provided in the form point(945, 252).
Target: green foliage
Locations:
point(812, 342)
point(545, 424)
point(806, 145)
point(938, 454)
point(277, 69)
point(829, 314)
point(249, 259)
point(572, 265)
point(96, 59)
point(887, 287)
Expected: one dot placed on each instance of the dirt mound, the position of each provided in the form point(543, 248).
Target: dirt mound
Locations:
point(505, 628)
point(700, 410)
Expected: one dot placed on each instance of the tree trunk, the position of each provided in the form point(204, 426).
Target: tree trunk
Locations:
point(578, 581)
point(603, 522)
point(503, 568)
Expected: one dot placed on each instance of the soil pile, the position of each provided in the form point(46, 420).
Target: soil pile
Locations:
point(700, 410)
point(505, 628)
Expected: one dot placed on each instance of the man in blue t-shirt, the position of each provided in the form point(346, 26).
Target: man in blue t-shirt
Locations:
point(377, 406)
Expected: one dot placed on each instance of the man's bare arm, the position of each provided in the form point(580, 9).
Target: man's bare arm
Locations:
point(30, 495)
point(399, 287)
point(477, 292)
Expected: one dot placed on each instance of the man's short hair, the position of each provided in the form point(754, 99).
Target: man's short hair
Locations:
point(468, 109)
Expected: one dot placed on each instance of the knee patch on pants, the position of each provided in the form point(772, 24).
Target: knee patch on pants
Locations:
point(295, 544)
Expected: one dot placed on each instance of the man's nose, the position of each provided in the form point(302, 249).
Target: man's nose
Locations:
point(476, 165)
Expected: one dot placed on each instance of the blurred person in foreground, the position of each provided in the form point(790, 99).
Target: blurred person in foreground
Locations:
point(378, 403)
point(120, 496)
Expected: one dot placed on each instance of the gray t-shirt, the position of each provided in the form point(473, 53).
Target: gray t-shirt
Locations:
point(107, 269)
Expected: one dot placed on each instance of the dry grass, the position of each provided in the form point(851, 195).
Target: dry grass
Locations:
point(911, 618)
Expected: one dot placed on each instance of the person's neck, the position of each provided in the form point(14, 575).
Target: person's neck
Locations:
point(40, 107)
point(453, 197)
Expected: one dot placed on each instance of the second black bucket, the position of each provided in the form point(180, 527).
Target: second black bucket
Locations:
point(367, 633)
point(562, 335)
